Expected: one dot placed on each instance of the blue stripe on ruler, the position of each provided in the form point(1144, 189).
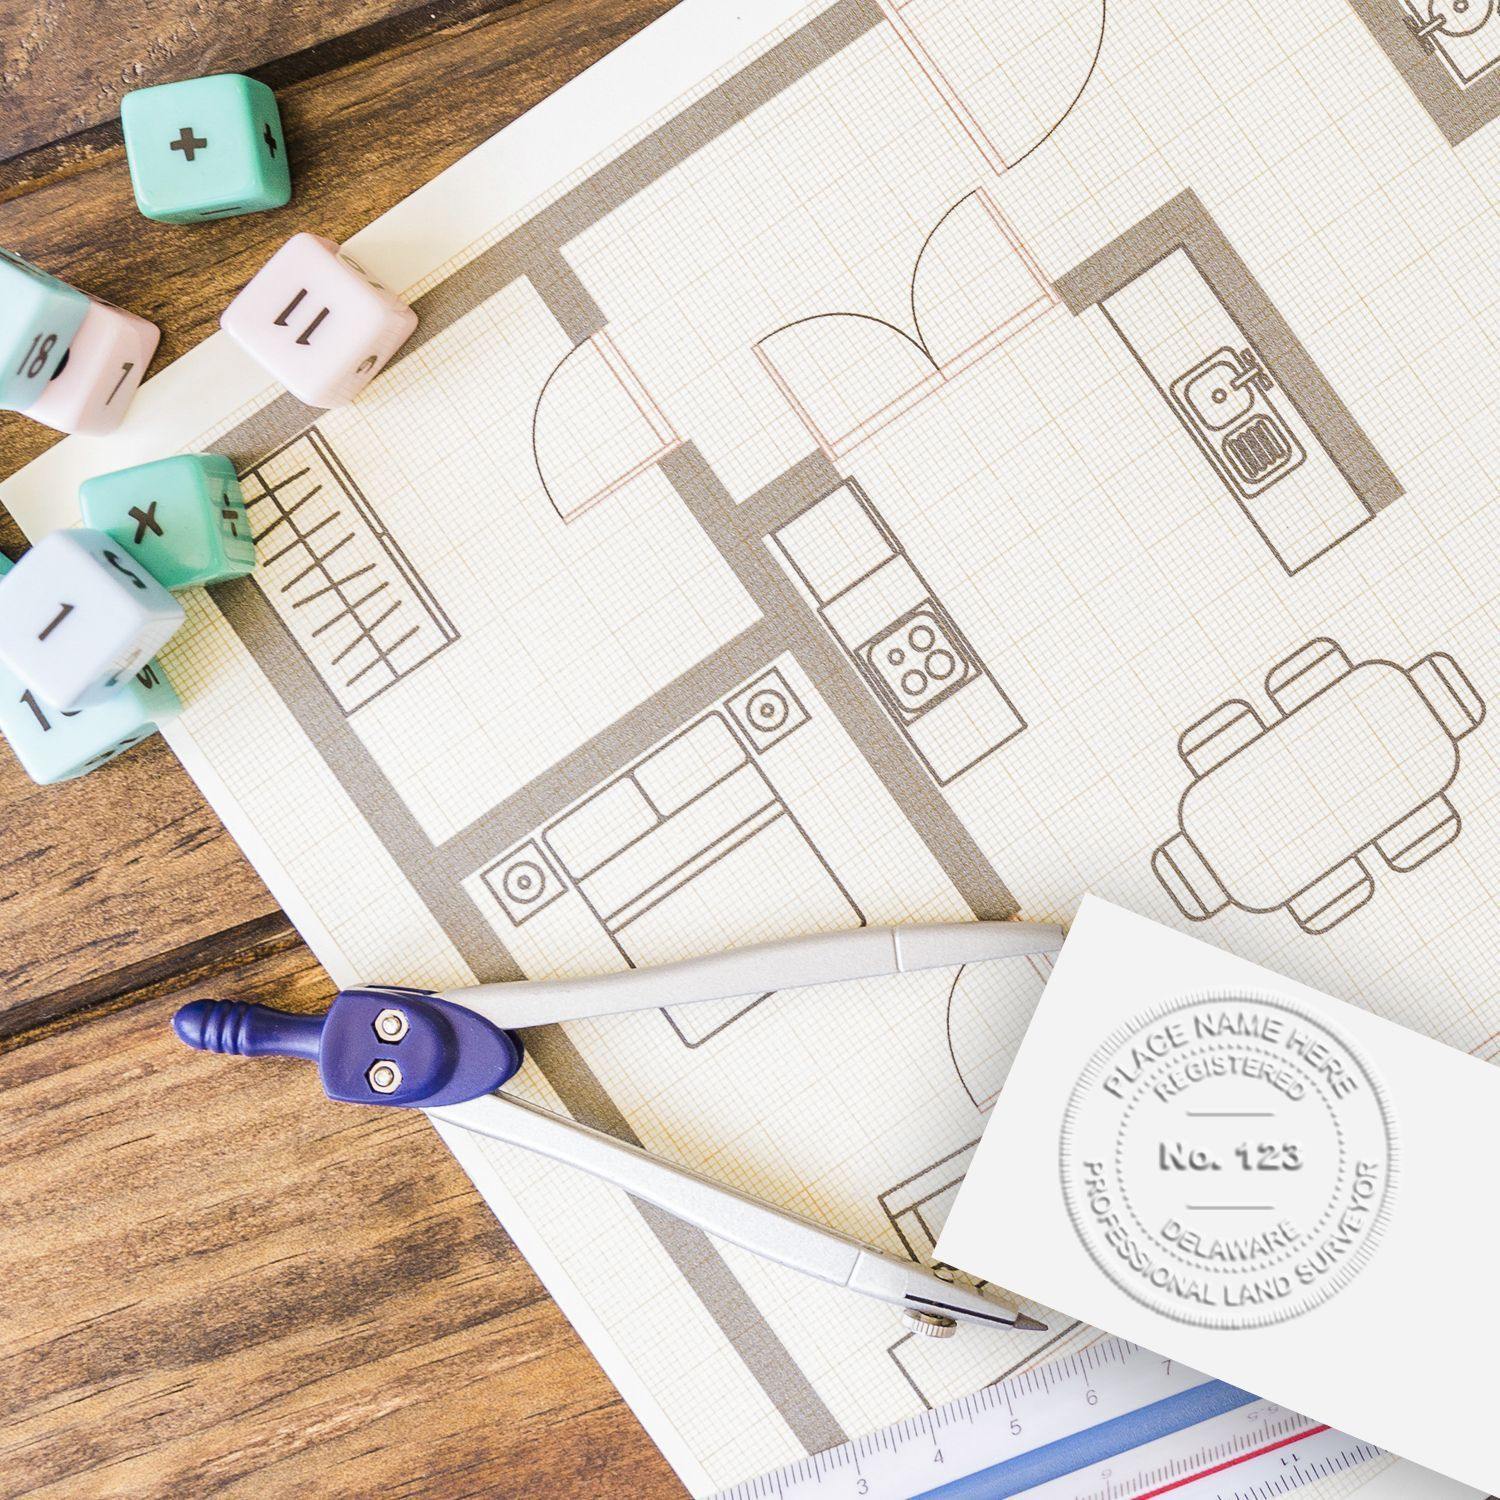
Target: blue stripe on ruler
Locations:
point(1095, 1444)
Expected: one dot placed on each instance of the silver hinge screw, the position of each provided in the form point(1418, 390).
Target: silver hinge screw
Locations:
point(391, 1025)
point(384, 1076)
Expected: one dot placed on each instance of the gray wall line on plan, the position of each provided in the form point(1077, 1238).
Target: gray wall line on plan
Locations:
point(698, 1261)
point(803, 634)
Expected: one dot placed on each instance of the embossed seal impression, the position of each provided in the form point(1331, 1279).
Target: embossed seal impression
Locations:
point(1229, 1159)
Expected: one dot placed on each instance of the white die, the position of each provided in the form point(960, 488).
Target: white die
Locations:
point(317, 322)
point(78, 615)
point(104, 366)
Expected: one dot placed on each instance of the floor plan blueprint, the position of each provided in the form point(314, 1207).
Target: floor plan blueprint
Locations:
point(823, 488)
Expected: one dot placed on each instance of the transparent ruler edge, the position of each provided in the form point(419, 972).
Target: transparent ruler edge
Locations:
point(1108, 1382)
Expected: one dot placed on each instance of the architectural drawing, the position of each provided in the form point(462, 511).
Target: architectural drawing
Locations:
point(918, 1205)
point(987, 1015)
point(750, 494)
point(917, 1209)
point(595, 428)
point(848, 374)
point(908, 648)
point(695, 825)
point(1237, 379)
point(1279, 814)
point(1448, 53)
point(1010, 85)
point(336, 577)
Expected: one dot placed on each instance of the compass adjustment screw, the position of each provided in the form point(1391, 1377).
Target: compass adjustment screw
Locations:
point(384, 1077)
point(391, 1025)
point(929, 1325)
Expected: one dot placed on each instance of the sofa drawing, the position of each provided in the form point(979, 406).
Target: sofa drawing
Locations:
point(1292, 812)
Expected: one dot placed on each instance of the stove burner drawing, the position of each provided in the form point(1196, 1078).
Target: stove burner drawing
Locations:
point(767, 711)
point(525, 882)
point(337, 578)
point(1280, 814)
point(907, 647)
point(693, 828)
point(919, 662)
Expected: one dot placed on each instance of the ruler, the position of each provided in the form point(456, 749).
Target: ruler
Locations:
point(1111, 1422)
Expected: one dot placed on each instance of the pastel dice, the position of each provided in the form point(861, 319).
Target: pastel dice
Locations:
point(182, 519)
point(56, 746)
point(100, 373)
point(78, 615)
point(318, 322)
point(38, 317)
point(205, 148)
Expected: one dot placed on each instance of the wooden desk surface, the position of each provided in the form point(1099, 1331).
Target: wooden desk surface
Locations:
point(213, 1279)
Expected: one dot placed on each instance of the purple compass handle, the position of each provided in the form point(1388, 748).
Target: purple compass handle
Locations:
point(247, 1030)
point(377, 1046)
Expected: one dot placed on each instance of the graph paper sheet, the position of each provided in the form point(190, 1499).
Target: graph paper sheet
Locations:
point(866, 462)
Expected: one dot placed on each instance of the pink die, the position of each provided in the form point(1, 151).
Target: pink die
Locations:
point(317, 322)
point(104, 366)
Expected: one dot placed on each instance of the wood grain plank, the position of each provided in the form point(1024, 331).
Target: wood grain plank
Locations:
point(226, 1283)
point(64, 66)
point(109, 882)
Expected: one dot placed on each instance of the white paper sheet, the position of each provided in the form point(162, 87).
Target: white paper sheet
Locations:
point(845, 446)
point(1270, 1185)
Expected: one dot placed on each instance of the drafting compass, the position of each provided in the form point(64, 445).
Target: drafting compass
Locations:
point(449, 1054)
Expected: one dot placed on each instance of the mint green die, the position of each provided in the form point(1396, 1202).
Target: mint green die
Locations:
point(56, 746)
point(205, 148)
point(38, 317)
point(183, 518)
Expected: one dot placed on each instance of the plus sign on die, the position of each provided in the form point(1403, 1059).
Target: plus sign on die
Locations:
point(205, 148)
point(318, 321)
point(78, 616)
point(181, 518)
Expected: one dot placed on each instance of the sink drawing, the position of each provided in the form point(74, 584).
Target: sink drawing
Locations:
point(1447, 52)
point(1284, 814)
point(1464, 34)
point(1226, 404)
point(1254, 409)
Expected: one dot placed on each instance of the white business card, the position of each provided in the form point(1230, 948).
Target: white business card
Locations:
point(1269, 1184)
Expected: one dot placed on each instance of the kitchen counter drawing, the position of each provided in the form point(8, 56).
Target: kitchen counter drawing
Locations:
point(905, 644)
point(1287, 813)
point(1237, 379)
point(1447, 53)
